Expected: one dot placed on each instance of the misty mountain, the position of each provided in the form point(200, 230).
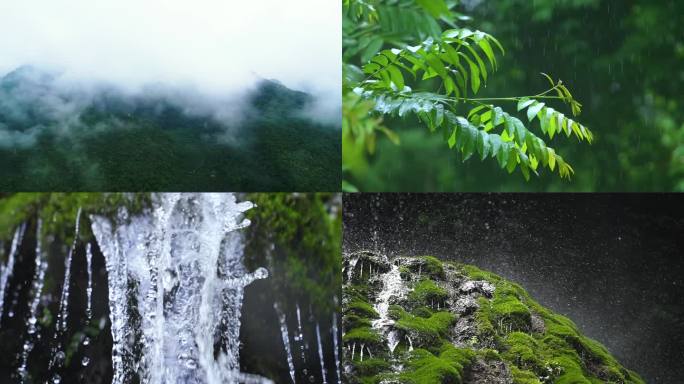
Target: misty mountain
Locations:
point(63, 135)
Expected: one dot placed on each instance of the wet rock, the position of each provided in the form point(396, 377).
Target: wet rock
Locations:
point(477, 287)
point(488, 372)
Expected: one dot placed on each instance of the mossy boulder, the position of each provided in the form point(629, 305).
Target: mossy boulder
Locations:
point(486, 329)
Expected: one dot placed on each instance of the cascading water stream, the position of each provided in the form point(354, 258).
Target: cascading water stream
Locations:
point(300, 335)
point(336, 346)
point(183, 264)
point(7, 270)
point(324, 374)
point(36, 292)
point(58, 355)
point(393, 287)
point(89, 290)
point(286, 339)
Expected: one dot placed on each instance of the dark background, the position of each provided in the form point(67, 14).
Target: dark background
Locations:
point(612, 263)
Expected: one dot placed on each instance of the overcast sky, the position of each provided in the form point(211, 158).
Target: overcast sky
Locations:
point(216, 45)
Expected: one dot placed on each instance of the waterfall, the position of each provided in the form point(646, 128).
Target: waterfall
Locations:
point(7, 270)
point(392, 286)
point(286, 339)
point(324, 374)
point(36, 292)
point(183, 265)
point(336, 346)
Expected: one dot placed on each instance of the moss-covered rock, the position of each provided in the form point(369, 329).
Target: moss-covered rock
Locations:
point(486, 329)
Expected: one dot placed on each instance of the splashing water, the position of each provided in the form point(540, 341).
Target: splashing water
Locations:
point(7, 270)
point(286, 339)
point(183, 265)
point(392, 287)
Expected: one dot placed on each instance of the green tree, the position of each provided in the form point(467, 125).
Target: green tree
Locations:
point(411, 58)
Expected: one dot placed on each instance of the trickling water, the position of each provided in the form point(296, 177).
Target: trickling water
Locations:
point(183, 263)
point(286, 339)
point(324, 373)
point(335, 345)
point(89, 290)
point(392, 287)
point(36, 292)
point(7, 270)
point(300, 335)
point(58, 355)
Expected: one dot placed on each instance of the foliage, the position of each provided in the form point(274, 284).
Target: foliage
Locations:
point(431, 70)
point(624, 59)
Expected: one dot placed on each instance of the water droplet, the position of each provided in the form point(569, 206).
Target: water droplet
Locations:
point(85, 361)
point(59, 358)
point(86, 341)
point(56, 379)
point(191, 364)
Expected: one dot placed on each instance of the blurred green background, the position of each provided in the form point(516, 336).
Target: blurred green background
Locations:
point(624, 60)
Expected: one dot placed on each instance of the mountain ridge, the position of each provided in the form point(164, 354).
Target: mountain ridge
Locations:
point(262, 140)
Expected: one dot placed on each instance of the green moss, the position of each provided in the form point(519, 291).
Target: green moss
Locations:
point(560, 350)
point(361, 335)
point(426, 292)
point(431, 266)
point(361, 308)
point(371, 367)
point(429, 330)
point(510, 312)
point(448, 367)
point(297, 238)
point(556, 353)
point(523, 349)
point(354, 321)
point(58, 210)
point(521, 376)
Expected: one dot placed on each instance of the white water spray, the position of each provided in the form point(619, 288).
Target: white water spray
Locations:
point(393, 287)
point(183, 265)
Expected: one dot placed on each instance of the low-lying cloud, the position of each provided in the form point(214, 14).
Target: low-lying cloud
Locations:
point(214, 46)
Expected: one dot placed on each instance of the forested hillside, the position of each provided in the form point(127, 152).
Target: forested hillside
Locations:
point(59, 136)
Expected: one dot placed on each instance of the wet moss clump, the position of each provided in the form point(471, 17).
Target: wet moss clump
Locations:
point(297, 238)
point(57, 211)
point(427, 330)
point(447, 366)
point(485, 329)
point(427, 293)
